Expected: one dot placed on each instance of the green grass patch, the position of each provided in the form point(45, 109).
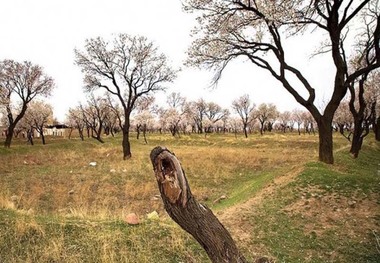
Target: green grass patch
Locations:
point(321, 216)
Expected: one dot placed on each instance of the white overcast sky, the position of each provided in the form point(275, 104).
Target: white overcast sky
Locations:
point(46, 32)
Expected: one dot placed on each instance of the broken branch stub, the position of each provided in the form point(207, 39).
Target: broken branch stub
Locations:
point(184, 209)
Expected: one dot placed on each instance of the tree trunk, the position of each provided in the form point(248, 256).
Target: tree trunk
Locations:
point(245, 130)
point(377, 129)
point(144, 133)
point(43, 138)
point(356, 145)
point(30, 136)
point(81, 134)
point(184, 209)
point(70, 132)
point(9, 136)
point(325, 141)
point(126, 144)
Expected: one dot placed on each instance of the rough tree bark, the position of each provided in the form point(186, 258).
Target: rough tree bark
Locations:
point(184, 209)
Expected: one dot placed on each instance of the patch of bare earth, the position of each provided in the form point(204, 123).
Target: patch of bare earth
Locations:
point(235, 218)
point(357, 215)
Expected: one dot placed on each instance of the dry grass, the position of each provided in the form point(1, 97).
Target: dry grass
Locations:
point(55, 207)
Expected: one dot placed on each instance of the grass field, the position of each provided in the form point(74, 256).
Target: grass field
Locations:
point(280, 202)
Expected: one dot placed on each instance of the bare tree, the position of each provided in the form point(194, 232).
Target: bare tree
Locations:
point(343, 119)
point(244, 107)
point(214, 113)
point(94, 115)
point(37, 116)
point(297, 118)
point(266, 113)
point(197, 110)
point(362, 105)
point(258, 29)
point(75, 120)
point(145, 116)
point(285, 120)
point(175, 100)
point(128, 69)
point(20, 83)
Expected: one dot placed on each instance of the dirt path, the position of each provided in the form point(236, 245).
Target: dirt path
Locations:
point(234, 218)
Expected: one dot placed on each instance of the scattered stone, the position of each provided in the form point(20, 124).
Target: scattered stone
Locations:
point(30, 211)
point(14, 198)
point(352, 203)
point(153, 216)
point(204, 198)
point(93, 164)
point(220, 199)
point(155, 198)
point(71, 192)
point(112, 171)
point(132, 219)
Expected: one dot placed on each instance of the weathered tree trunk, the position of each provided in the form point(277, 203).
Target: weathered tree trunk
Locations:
point(9, 136)
point(30, 136)
point(184, 209)
point(325, 141)
point(144, 133)
point(126, 144)
point(43, 138)
point(377, 129)
point(70, 132)
point(356, 144)
point(81, 134)
point(138, 126)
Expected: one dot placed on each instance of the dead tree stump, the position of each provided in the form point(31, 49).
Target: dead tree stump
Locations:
point(184, 209)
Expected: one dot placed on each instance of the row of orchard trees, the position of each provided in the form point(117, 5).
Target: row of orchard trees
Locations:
point(102, 115)
point(21, 83)
point(131, 68)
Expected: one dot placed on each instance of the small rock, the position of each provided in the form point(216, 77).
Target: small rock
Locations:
point(222, 197)
point(93, 164)
point(153, 216)
point(14, 198)
point(204, 198)
point(71, 192)
point(112, 171)
point(306, 202)
point(30, 211)
point(352, 203)
point(155, 198)
point(132, 219)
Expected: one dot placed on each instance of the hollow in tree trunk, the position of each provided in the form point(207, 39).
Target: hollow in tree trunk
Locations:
point(184, 209)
